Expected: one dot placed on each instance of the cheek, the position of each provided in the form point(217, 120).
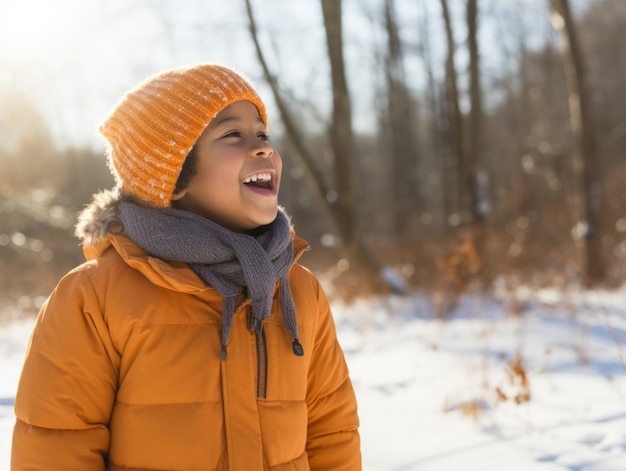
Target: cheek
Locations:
point(278, 165)
point(221, 177)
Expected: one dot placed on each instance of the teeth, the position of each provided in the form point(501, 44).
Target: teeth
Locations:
point(262, 177)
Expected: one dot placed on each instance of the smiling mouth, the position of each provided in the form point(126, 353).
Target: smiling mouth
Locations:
point(261, 180)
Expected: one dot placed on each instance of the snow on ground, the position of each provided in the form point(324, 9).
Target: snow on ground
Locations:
point(13, 343)
point(482, 390)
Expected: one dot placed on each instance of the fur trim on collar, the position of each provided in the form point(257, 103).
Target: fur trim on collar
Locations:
point(98, 217)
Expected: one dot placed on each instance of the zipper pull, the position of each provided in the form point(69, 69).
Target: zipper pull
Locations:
point(297, 348)
point(254, 325)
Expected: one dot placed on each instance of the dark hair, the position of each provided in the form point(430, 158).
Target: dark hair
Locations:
point(187, 171)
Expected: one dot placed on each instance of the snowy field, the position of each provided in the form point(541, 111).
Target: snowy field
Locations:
point(483, 390)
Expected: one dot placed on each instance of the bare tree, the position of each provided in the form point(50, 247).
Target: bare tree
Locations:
point(455, 117)
point(340, 211)
point(315, 178)
point(438, 143)
point(474, 136)
point(586, 165)
point(401, 129)
point(341, 125)
point(478, 178)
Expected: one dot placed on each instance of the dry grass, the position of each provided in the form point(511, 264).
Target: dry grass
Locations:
point(517, 387)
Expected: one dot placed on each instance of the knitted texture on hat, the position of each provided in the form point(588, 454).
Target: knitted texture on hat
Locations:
point(153, 128)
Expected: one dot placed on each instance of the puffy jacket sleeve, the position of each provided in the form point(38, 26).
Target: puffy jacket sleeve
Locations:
point(68, 383)
point(333, 439)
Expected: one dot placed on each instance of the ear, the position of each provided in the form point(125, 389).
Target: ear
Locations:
point(179, 195)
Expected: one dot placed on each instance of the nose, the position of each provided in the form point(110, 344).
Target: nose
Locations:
point(263, 148)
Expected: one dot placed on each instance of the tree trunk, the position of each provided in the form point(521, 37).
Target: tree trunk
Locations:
point(478, 183)
point(586, 163)
point(401, 129)
point(455, 117)
point(341, 124)
point(439, 149)
point(474, 136)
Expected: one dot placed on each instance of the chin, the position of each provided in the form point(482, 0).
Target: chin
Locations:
point(268, 218)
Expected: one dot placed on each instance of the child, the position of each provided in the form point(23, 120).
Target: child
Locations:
point(190, 339)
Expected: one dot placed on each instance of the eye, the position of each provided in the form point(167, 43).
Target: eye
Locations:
point(263, 136)
point(232, 134)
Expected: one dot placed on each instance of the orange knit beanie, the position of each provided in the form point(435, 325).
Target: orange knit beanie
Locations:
point(153, 128)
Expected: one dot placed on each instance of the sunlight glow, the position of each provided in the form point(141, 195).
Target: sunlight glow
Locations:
point(36, 29)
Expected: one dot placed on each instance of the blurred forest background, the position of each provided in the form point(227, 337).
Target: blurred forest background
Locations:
point(443, 145)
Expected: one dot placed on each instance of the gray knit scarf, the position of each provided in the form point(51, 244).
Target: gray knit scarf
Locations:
point(230, 262)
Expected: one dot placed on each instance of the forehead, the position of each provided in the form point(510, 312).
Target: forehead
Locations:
point(236, 111)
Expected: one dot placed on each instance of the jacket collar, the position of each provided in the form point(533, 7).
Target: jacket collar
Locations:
point(175, 276)
point(100, 231)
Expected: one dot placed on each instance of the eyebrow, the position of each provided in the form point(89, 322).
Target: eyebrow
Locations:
point(229, 119)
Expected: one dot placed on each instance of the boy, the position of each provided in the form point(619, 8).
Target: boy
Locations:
point(190, 339)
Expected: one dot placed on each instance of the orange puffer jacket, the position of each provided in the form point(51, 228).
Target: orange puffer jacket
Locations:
point(124, 373)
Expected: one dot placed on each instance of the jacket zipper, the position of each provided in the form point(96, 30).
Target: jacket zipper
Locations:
point(261, 353)
point(261, 356)
point(261, 345)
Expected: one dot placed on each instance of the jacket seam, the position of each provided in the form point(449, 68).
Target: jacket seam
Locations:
point(161, 404)
point(127, 468)
point(286, 463)
point(55, 429)
point(264, 400)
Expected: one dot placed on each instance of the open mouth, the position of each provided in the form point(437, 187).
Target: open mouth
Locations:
point(261, 180)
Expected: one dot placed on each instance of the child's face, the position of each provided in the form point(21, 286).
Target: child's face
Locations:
point(237, 172)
